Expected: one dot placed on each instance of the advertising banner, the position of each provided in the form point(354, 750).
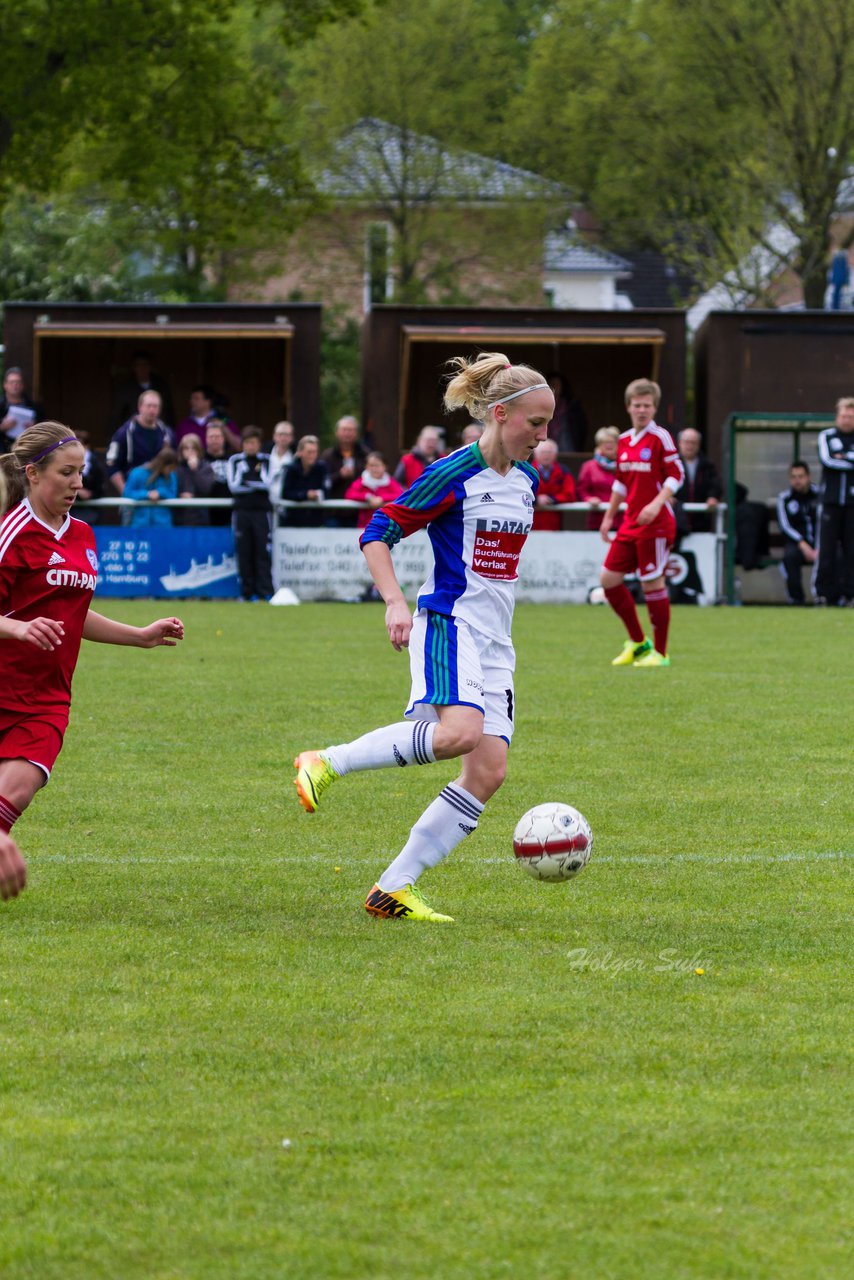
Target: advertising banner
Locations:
point(166, 562)
point(555, 568)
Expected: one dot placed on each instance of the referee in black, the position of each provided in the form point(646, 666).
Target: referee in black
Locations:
point(835, 584)
point(251, 520)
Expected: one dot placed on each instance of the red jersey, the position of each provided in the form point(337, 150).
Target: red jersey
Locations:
point(645, 463)
point(44, 573)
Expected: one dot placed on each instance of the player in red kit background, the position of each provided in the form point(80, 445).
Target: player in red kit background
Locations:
point(13, 869)
point(649, 473)
point(48, 573)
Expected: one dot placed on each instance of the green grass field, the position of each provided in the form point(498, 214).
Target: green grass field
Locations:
point(546, 1089)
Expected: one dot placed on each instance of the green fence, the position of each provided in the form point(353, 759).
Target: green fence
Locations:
point(760, 448)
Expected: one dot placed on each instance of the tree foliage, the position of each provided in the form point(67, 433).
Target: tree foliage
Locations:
point(699, 125)
point(441, 73)
point(167, 112)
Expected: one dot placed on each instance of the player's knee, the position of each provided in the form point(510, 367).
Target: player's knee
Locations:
point(455, 740)
point(469, 736)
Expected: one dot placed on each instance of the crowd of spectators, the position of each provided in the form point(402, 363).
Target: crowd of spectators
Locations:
point(203, 455)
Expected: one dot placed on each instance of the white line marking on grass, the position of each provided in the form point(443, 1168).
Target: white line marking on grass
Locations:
point(314, 859)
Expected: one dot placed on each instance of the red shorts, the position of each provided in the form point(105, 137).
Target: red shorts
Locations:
point(645, 556)
point(37, 738)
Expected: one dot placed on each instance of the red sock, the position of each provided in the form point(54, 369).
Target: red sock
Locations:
point(658, 604)
point(620, 600)
point(9, 815)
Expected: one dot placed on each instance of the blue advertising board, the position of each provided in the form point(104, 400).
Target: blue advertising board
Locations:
point(176, 562)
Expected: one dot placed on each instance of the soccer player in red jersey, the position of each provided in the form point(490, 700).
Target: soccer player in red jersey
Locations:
point(649, 473)
point(48, 572)
point(13, 869)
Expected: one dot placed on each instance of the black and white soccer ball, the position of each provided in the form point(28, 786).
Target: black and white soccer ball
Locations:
point(553, 842)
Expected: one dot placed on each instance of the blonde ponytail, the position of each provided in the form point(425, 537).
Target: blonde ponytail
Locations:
point(478, 383)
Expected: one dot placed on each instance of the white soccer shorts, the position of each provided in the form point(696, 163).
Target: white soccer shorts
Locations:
point(453, 665)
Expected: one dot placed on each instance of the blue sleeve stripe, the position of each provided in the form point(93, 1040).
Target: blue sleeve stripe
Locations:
point(381, 529)
point(436, 480)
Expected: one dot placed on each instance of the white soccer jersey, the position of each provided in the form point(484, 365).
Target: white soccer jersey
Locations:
point(477, 521)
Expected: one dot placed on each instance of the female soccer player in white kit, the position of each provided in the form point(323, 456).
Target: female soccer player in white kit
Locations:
point(477, 505)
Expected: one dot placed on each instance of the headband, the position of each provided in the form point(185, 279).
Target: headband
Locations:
point(50, 449)
point(538, 386)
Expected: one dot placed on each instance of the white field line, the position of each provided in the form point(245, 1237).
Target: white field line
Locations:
point(323, 859)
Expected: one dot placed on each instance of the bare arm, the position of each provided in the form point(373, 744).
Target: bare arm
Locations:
point(44, 633)
point(610, 511)
point(398, 619)
point(103, 630)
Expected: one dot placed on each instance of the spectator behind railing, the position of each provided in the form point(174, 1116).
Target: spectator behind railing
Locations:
point(702, 483)
point(138, 440)
point(17, 410)
point(196, 479)
point(471, 432)
point(94, 479)
point(152, 482)
point(596, 477)
point(217, 453)
point(556, 485)
point(203, 411)
point(305, 480)
point(142, 377)
point(281, 456)
point(344, 462)
point(249, 481)
point(569, 423)
point(374, 486)
point(427, 448)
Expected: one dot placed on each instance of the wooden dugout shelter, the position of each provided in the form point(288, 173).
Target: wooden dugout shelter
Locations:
point(264, 358)
point(769, 362)
point(405, 349)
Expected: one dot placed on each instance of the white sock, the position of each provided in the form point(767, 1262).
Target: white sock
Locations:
point(449, 819)
point(400, 744)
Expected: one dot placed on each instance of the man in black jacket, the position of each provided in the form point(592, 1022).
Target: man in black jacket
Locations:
point(797, 509)
point(836, 517)
point(702, 482)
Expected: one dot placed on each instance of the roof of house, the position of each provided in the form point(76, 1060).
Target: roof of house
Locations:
point(375, 161)
point(562, 251)
point(656, 282)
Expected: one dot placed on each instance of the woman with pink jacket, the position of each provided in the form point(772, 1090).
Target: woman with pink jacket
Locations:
point(596, 477)
point(374, 486)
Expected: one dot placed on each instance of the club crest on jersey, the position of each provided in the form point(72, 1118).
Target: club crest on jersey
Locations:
point(56, 558)
point(92, 558)
point(646, 454)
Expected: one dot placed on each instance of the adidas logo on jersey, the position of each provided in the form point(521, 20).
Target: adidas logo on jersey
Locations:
point(487, 497)
point(56, 558)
